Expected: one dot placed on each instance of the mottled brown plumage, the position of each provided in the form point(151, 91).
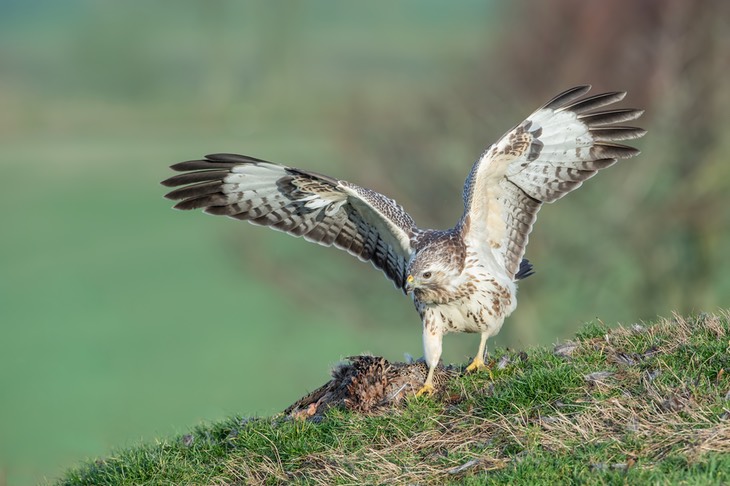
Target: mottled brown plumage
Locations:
point(462, 279)
point(365, 384)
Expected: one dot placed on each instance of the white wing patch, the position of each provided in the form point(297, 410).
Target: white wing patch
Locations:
point(542, 159)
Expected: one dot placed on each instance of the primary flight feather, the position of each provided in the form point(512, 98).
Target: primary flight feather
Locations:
point(462, 279)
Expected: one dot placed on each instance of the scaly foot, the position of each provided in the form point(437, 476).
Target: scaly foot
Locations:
point(426, 389)
point(477, 365)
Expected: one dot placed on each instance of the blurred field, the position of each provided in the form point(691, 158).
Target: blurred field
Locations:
point(123, 320)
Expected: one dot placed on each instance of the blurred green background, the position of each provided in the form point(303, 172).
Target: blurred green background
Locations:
point(122, 320)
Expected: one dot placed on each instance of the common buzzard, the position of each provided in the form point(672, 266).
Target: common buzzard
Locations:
point(463, 279)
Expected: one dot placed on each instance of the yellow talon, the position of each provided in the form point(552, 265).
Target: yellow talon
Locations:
point(426, 389)
point(477, 365)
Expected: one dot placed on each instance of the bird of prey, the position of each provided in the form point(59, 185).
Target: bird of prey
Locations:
point(462, 279)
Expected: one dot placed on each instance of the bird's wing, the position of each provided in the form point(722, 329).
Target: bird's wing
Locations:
point(319, 208)
point(542, 159)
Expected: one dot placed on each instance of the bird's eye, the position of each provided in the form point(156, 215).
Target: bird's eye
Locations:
point(426, 275)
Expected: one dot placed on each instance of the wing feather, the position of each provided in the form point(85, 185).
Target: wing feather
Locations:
point(542, 159)
point(610, 117)
point(317, 207)
point(566, 97)
point(594, 102)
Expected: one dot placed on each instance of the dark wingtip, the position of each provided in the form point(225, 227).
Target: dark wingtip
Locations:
point(169, 182)
point(214, 161)
point(567, 97)
point(190, 165)
point(232, 158)
point(585, 105)
point(204, 201)
point(182, 206)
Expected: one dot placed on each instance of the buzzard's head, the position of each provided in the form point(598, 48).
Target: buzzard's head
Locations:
point(434, 271)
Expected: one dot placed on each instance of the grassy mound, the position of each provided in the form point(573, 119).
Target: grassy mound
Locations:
point(626, 405)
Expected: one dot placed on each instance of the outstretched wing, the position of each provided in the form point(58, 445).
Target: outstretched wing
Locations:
point(321, 209)
point(542, 159)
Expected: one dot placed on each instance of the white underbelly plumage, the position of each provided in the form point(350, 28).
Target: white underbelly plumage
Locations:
point(482, 311)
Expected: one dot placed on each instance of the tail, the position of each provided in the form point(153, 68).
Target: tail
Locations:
point(525, 269)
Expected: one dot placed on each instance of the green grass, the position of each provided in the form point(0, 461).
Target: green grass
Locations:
point(645, 404)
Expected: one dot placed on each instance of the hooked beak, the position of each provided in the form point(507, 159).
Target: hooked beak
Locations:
point(410, 284)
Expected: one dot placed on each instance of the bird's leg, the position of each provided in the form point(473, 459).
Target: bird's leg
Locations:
point(478, 363)
point(432, 338)
point(427, 388)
